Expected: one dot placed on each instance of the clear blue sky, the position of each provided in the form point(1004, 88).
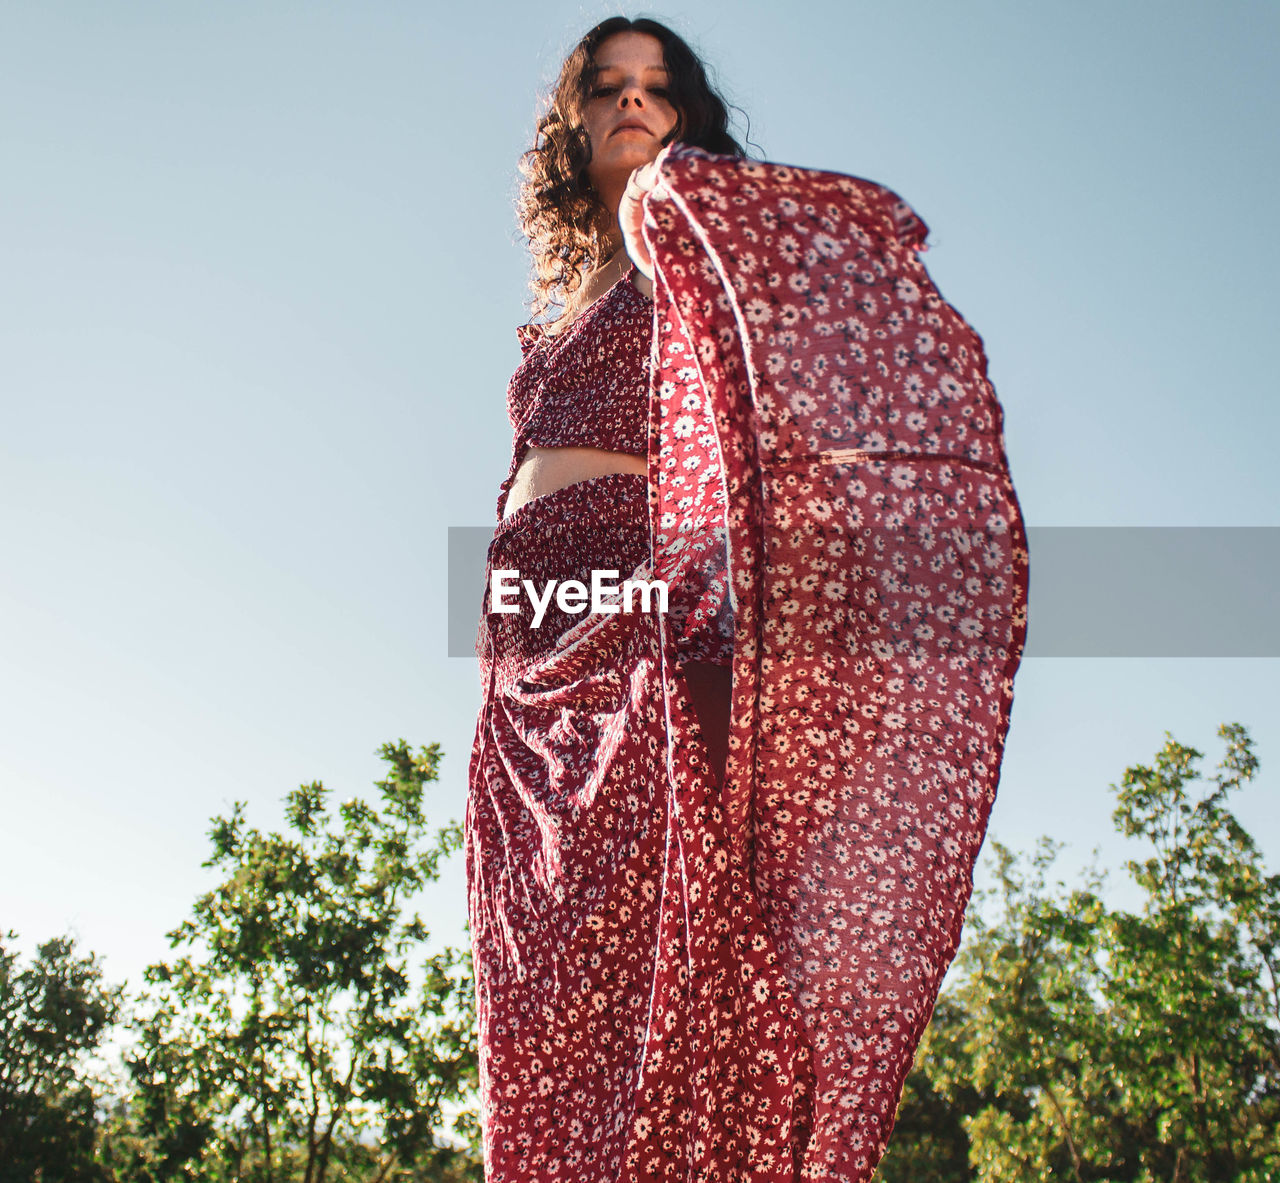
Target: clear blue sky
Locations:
point(258, 281)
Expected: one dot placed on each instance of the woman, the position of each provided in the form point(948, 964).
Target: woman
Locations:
point(616, 105)
point(707, 941)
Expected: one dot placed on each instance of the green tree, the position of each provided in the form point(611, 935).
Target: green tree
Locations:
point(301, 1034)
point(929, 1139)
point(1091, 1044)
point(54, 1015)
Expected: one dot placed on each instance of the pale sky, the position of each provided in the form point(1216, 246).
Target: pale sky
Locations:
point(259, 277)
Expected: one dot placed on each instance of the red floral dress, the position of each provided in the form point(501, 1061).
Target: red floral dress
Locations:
point(677, 982)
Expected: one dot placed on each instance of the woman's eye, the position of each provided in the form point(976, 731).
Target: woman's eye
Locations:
point(601, 92)
point(661, 91)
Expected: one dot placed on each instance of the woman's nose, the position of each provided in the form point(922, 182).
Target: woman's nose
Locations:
point(632, 95)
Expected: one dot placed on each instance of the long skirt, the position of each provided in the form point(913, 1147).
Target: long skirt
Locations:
point(684, 981)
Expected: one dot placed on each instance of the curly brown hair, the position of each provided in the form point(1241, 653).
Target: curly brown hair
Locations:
point(559, 210)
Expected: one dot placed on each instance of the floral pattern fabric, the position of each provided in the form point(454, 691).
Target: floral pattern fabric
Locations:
point(680, 982)
point(587, 386)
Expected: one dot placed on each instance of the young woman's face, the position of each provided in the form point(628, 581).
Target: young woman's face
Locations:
point(628, 112)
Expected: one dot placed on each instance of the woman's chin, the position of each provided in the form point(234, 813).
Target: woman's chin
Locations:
point(621, 160)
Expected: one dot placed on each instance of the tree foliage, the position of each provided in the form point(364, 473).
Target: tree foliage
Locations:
point(1087, 1043)
point(299, 1034)
point(54, 1015)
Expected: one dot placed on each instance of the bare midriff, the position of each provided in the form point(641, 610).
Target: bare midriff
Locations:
point(544, 470)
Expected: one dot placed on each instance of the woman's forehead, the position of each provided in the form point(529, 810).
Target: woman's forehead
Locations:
point(630, 49)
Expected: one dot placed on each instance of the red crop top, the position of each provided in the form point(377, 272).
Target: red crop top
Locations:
point(587, 387)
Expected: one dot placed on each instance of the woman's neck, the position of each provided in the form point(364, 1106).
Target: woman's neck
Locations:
point(600, 280)
point(594, 285)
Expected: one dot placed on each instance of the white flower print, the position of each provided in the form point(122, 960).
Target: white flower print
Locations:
point(827, 246)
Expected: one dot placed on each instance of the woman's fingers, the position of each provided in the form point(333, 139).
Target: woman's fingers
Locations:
point(631, 216)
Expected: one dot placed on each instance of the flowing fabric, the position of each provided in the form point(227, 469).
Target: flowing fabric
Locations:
point(683, 982)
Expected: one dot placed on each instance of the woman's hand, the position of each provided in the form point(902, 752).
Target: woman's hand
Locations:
point(631, 217)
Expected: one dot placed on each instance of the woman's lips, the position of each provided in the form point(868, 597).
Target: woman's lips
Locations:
point(631, 127)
